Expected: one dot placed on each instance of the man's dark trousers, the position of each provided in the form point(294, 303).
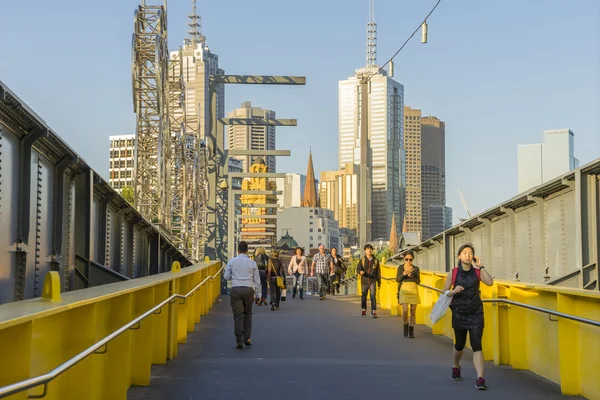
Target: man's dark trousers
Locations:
point(372, 287)
point(242, 299)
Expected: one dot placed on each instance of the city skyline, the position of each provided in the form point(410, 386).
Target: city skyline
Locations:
point(472, 39)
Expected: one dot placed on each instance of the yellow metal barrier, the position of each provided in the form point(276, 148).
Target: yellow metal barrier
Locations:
point(39, 335)
point(564, 351)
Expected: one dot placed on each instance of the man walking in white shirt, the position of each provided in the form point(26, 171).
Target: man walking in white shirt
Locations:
point(245, 283)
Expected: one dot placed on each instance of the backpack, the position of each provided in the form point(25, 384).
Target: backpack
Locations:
point(262, 261)
point(455, 272)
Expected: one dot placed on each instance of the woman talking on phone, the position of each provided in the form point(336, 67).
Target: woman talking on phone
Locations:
point(462, 284)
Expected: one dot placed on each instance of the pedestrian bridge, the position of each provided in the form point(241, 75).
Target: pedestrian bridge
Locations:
point(170, 336)
point(131, 322)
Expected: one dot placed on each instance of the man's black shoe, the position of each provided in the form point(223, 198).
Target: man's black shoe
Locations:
point(248, 343)
point(239, 346)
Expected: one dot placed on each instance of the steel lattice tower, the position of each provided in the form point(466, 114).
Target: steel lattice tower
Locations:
point(150, 96)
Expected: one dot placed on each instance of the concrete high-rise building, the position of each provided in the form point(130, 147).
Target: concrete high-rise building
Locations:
point(433, 175)
point(412, 149)
point(252, 137)
point(541, 162)
point(198, 63)
point(292, 187)
point(339, 191)
point(121, 161)
point(309, 226)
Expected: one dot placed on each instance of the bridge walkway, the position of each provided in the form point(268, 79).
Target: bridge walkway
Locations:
point(326, 350)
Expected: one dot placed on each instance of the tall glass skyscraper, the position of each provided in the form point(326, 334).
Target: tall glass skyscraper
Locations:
point(386, 136)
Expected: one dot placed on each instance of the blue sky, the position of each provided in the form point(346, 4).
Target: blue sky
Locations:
point(499, 72)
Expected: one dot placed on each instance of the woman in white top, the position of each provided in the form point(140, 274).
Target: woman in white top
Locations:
point(297, 268)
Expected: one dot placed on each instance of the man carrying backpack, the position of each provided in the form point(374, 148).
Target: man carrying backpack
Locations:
point(370, 279)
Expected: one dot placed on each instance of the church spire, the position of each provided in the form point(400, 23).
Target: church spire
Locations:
point(404, 228)
point(393, 235)
point(310, 188)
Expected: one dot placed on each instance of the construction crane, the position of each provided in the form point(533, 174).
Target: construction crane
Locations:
point(465, 206)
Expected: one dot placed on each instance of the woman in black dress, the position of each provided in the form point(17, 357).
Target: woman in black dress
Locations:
point(462, 284)
point(339, 268)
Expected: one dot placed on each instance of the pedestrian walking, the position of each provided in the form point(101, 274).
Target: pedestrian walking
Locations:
point(261, 259)
point(275, 279)
point(298, 267)
point(245, 286)
point(462, 284)
point(408, 278)
point(322, 261)
point(338, 267)
point(370, 279)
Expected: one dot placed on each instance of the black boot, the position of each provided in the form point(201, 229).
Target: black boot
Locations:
point(411, 332)
point(405, 330)
point(294, 292)
point(301, 294)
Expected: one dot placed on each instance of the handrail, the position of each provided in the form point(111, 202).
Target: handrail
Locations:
point(534, 308)
point(93, 349)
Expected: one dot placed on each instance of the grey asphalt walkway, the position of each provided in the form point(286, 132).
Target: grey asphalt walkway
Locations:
point(315, 349)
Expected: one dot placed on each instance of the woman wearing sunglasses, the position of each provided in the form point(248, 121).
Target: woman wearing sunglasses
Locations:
point(408, 278)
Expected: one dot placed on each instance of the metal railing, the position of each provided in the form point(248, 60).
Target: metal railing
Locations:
point(100, 347)
point(534, 308)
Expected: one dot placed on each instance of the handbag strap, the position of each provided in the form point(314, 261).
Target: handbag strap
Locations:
point(274, 270)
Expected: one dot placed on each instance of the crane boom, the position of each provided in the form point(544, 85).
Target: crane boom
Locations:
point(464, 203)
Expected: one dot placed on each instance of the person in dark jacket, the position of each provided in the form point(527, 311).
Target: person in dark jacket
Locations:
point(370, 279)
point(462, 284)
point(275, 269)
point(338, 268)
point(262, 259)
point(408, 278)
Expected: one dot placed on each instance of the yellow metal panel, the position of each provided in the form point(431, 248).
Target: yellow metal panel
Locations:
point(569, 347)
point(589, 346)
point(501, 346)
point(160, 323)
point(48, 350)
point(81, 335)
point(116, 362)
point(197, 299)
point(143, 338)
point(182, 310)
point(191, 305)
point(15, 347)
point(541, 331)
point(517, 329)
point(173, 321)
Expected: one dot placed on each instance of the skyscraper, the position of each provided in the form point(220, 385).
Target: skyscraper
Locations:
point(292, 187)
point(385, 133)
point(121, 161)
point(338, 191)
point(433, 176)
point(412, 148)
point(252, 137)
point(541, 162)
point(198, 63)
